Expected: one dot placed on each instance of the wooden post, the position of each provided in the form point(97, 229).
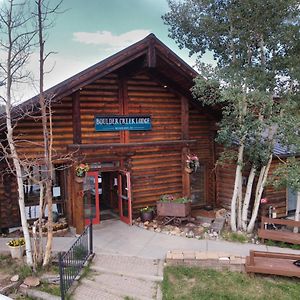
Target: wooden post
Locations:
point(186, 187)
point(76, 118)
point(123, 106)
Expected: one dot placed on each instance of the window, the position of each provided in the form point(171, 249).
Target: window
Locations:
point(198, 185)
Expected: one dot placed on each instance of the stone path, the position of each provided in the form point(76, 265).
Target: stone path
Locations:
point(115, 277)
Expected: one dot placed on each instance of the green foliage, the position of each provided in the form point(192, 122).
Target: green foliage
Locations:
point(80, 252)
point(287, 174)
point(147, 209)
point(194, 283)
point(282, 245)
point(171, 198)
point(235, 237)
point(255, 45)
point(51, 289)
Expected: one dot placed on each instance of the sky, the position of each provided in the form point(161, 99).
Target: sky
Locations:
point(88, 31)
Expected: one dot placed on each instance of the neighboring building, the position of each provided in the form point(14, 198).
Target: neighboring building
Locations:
point(132, 118)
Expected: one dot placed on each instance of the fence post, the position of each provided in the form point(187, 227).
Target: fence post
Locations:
point(91, 235)
point(61, 276)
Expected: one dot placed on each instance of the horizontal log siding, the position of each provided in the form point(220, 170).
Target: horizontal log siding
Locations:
point(29, 131)
point(9, 209)
point(200, 128)
point(100, 97)
point(276, 198)
point(149, 98)
point(154, 173)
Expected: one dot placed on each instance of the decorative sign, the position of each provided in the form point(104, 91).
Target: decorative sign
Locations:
point(117, 123)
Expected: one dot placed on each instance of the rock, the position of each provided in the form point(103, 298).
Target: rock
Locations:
point(138, 219)
point(206, 225)
point(146, 223)
point(158, 229)
point(199, 230)
point(186, 230)
point(176, 231)
point(154, 226)
point(190, 234)
point(32, 281)
point(190, 225)
point(15, 278)
point(221, 213)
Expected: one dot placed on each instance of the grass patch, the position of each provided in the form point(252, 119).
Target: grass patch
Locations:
point(282, 245)
point(194, 283)
point(235, 237)
point(52, 289)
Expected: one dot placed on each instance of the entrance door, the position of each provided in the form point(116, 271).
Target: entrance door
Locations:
point(91, 198)
point(124, 195)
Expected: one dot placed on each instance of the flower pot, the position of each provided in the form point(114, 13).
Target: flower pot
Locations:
point(188, 170)
point(146, 216)
point(79, 179)
point(17, 252)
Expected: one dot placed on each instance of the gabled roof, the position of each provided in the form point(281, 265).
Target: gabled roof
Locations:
point(149, 52)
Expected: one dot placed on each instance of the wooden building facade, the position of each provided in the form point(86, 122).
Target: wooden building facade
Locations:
point(133, 120)
point(130, 166)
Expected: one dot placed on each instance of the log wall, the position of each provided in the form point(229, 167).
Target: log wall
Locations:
point(154, 170)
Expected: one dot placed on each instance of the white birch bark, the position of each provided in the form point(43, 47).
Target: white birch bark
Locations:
point(247, 198)
point(238, 174)
point(297, 212)
point(239, 203)
point(260, 188)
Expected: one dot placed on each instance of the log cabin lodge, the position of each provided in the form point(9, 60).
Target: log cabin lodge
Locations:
point(133, 120)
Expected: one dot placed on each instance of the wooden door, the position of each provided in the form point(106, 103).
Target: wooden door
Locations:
point(91, 198)
point(124, 195)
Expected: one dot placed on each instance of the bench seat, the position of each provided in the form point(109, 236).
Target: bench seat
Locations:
point(272, 263)
point(279, 235)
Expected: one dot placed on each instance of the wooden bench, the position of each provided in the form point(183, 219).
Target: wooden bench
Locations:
point(279, 235)
point(272, 263)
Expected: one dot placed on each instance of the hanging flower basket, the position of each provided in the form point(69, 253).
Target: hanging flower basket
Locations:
point(192, 163)
point(80, 172)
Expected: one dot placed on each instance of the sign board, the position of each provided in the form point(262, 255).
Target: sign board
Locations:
point(117, 123)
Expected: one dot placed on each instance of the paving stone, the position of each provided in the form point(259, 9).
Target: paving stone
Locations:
point(189, 255)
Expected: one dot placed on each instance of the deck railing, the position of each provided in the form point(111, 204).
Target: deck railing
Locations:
point(72, 261)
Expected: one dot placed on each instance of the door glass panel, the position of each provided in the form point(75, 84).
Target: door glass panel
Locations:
point(89, 197)
point(124, 196)
point(197, 180)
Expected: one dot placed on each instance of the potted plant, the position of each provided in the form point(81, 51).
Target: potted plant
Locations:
point(16, 247)
point(168, 205)
point(80, 172)
point(147, 213)
point(192, 163)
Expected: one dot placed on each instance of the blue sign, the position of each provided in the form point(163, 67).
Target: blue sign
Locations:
point(117, 123)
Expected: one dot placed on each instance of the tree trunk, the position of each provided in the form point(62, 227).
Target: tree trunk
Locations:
point(297, 212)
point(247, 198)
point(240, 202)
point(238, 174)
point(260, 188)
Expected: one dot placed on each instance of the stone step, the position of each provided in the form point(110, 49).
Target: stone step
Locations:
point(148, 269)
point(117, 286)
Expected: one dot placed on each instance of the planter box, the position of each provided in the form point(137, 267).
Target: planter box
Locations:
point(17, 252)
point(171, 209)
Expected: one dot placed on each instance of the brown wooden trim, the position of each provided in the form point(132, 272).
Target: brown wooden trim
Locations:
point(76, 118)
point(117, 147)
point(184, 118)
point(186, 184)
point(121, 106)
point(151, 55)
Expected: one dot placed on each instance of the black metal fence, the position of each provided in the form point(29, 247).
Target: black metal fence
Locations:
point(72, 261)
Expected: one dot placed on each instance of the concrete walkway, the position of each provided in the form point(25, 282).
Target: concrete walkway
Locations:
point(129, 260)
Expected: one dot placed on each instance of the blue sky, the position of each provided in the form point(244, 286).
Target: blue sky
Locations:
point(91, 30)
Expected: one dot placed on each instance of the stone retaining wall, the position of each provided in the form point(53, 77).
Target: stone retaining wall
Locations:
point(208, 260)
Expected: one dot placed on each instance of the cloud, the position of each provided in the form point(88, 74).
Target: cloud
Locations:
point(108, 40)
